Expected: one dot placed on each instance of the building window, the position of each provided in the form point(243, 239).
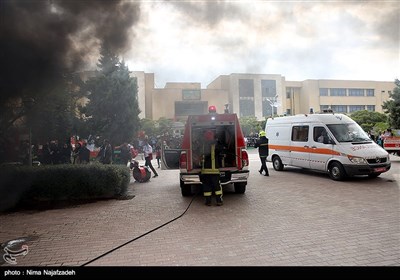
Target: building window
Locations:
point(268, 88)
point(246, 97)
point(191, 94)
point(354, 108)
point(288, 93)
point(323, 92)
point(300, 133)
point(185, 108)
point(324, 107)
point(371, 108)
point(356, 92)
point(339, 108)
point(246, 87)
point(246, 108)
point(370, 92)
point(338, 92)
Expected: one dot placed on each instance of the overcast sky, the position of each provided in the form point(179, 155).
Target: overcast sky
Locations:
point(196, 41)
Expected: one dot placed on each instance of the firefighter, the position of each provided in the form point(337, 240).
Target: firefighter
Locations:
point(262, 145)
point(210, 174)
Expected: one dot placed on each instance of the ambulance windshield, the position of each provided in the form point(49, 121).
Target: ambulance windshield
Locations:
point(348, 132)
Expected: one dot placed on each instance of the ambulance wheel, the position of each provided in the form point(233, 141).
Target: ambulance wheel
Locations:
point(277, 163)
point(186, 190)
point(240, 187)
point(337, 172)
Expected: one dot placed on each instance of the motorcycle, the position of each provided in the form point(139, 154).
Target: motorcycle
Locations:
point(140, 173)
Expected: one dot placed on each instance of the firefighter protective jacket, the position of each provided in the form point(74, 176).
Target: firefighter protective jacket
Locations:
point(209, 163)
point(262, 145)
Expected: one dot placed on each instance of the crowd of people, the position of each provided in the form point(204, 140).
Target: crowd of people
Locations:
point(84, 152)
point(379, 139)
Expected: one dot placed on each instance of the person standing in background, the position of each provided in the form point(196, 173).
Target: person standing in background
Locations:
point(148, 156)
point(263, 151)
point(84, 154)
point(105, 153)
point(158, 155)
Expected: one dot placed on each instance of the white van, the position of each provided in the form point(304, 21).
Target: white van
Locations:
point(330, 142)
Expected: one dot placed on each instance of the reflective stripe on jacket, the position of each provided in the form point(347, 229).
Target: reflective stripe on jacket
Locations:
point(262, 145)
point(210, 162)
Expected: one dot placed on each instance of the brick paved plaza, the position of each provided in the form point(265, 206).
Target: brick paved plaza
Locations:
point(292, 218)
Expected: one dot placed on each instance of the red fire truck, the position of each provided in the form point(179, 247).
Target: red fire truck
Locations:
point(232, 158)
point(392, 143)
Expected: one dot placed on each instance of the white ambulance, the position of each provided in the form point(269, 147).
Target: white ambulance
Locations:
point(327, 142)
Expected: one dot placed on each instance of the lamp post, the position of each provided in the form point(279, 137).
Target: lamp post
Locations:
point(273, 102)
point(28, 103)
point(226, 111)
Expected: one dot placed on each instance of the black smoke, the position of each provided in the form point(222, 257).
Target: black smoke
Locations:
point(43, 40)
point(209, 13)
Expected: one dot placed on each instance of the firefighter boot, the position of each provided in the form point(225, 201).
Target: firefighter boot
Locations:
point(208, 201)
point(220, 202)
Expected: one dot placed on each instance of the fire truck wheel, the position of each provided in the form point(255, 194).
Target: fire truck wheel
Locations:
point(186, 190)
point(240, 187)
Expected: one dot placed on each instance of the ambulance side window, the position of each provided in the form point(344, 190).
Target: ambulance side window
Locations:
point(318, 132)
point(300, 133)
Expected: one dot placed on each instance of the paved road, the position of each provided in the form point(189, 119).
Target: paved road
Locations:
point(292, 218)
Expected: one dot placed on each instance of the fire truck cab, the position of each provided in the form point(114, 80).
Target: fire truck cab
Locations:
point(232, 158)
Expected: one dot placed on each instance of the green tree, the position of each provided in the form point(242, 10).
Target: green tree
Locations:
point(112, 111)
point(160, 127)
point(250, 125)
point(164, 126)
point(380, 127)
point(148, 126)
point(392, 106)
point(368, 119)
point(55, 114)
point(50, 114)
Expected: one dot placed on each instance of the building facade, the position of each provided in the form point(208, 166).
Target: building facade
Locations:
point(258, 95)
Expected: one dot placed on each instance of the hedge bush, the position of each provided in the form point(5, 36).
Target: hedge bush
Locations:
point(27, 185)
